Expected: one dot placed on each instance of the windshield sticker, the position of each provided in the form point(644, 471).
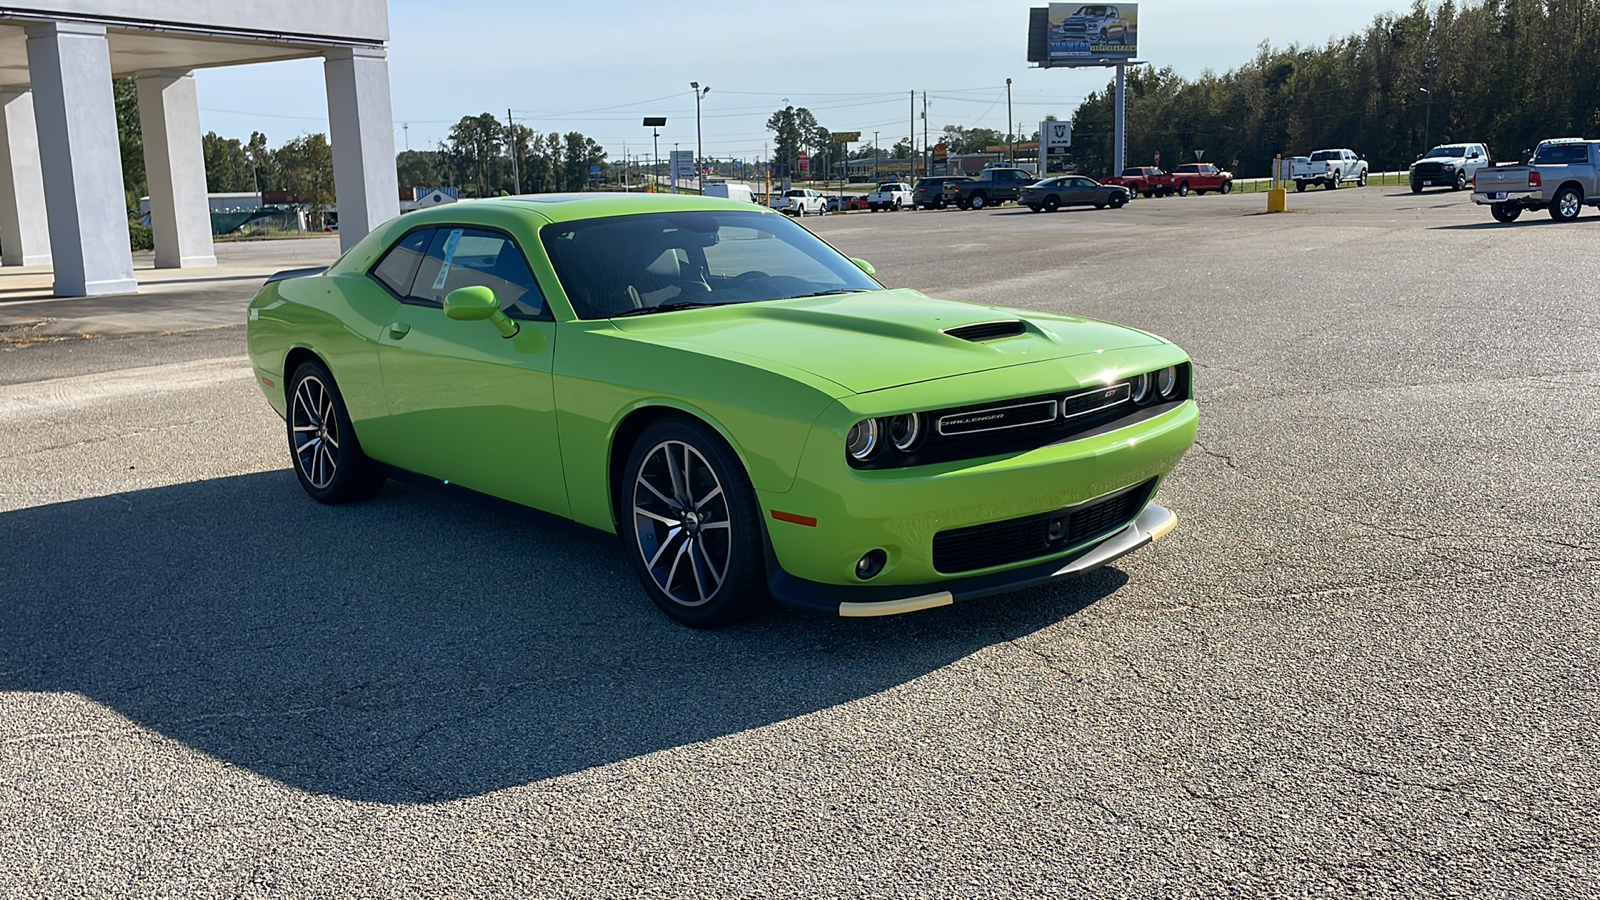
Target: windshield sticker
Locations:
point(450, 244)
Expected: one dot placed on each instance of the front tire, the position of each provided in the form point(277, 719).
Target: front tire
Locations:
point(1227, 187)
point(328, 459)
point(692, 525)
point(1504, 212)
point(1362, 180)
point(1567, 205)
point(1416, 188)
point(1117, 201)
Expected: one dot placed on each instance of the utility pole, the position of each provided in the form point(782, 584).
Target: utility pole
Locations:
point(1011, 144)
point(1427, 126)
point(407, 127)
point(926, 159)
point(511, 135)
point(699, 149)
point(876, 153)
point(911, 140)
point(674, 167)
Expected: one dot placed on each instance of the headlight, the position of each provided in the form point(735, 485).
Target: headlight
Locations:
point(862, 441)
point(1167, 381)
point(905, 431)
point(1139, 388)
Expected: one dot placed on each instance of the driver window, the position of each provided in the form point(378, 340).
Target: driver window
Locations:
point(470, 257)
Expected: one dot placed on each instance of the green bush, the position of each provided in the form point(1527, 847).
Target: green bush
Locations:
point(139, 236)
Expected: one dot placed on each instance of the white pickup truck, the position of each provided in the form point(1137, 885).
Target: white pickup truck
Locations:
point(1563, 177)
point(893, 195)
point(801, 202)
point(1330, 169)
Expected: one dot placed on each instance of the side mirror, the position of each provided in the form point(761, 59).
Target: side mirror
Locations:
point(864, 266)
point(472, 304)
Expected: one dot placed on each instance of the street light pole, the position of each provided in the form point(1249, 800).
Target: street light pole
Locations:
point(673, 166)
point(699, 149)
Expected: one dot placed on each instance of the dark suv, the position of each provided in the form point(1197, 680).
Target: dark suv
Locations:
point(929, 192)
point(991, 186)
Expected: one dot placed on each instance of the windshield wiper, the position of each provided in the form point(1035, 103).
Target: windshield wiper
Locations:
point(664, 307)
point(827, 293)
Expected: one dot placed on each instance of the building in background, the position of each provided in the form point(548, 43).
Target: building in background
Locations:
point(61, 195)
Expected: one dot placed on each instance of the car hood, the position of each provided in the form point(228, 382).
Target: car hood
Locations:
point(875, 340)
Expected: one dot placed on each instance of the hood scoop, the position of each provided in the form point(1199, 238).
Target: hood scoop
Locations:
point(989, 331)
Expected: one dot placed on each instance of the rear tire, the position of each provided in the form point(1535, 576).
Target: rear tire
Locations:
point(978, 201)
point(689, 519)
point(1052, 203)
point(1504, 212)
point(1567, 205)
point(1183, 189)
point(1300, 187)
point(327, 456)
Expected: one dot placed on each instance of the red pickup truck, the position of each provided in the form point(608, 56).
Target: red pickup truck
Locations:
point(1200, 177)
point(1147, 180)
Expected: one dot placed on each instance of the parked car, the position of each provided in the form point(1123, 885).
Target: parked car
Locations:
point(1200, 178)
point(1147, 180)
point(929, 192)
point(890, 196)
point(1330, 169)
point(1072, 190)
point(851, 202)
point(800, 201)
point(730, 190)
point(1563, 177)
point(1449, 165)
point(990, 187)
point(747, 410)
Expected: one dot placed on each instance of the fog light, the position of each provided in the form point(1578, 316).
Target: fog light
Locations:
point(868, 567)
point(1057, 530)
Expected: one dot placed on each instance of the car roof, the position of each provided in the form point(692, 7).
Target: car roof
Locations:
point(579, 206)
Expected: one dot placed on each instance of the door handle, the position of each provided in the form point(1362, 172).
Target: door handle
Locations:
point(398, 330)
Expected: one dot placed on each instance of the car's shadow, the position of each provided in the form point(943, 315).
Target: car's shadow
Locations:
point(414, 648)
point(1531, 217)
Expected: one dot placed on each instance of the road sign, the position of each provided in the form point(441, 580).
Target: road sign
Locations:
point(805, 162)
point(654, 121)
point(1055, 135)
point(847, 137)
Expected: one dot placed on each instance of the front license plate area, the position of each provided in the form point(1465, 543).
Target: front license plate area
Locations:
point(1427, 184)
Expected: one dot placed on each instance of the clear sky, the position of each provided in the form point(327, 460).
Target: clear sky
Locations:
point(599, 67)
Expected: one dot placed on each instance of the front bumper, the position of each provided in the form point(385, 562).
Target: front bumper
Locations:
point(1152, 525)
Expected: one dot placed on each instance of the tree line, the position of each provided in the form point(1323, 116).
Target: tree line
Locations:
point(1507, 73)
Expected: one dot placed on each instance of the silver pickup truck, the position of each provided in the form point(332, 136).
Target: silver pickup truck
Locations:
point(1563, 176)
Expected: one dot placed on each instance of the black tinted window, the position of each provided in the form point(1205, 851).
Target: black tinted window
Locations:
point(394, 271)
point(1562, 154)
point(468, 257)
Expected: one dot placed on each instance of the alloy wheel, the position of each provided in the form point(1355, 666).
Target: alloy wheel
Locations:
point(316, 432)
point(682, 523)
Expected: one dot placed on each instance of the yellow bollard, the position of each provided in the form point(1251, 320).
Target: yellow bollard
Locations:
point(1277, 200)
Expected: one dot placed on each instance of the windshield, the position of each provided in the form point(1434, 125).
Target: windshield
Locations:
point(1322, 155)
point(626, 265)
point(1446, 153)
point(885, 188)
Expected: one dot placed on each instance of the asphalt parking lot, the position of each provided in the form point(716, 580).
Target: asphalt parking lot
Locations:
point(1364, 665)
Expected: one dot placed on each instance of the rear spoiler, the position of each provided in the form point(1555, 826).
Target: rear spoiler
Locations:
point(286, 274)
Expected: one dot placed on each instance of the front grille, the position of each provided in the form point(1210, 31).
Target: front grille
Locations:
point(1017, 540)
point(1431, 171)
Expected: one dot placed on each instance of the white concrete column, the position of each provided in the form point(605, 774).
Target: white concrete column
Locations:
point(70, 67)
point(175, 168)
point(361, 128)
point(24, 226)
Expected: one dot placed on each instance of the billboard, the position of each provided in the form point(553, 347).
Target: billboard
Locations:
point(1090, 34)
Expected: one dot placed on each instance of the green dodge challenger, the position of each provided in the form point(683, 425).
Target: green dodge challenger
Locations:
point(748, 410)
